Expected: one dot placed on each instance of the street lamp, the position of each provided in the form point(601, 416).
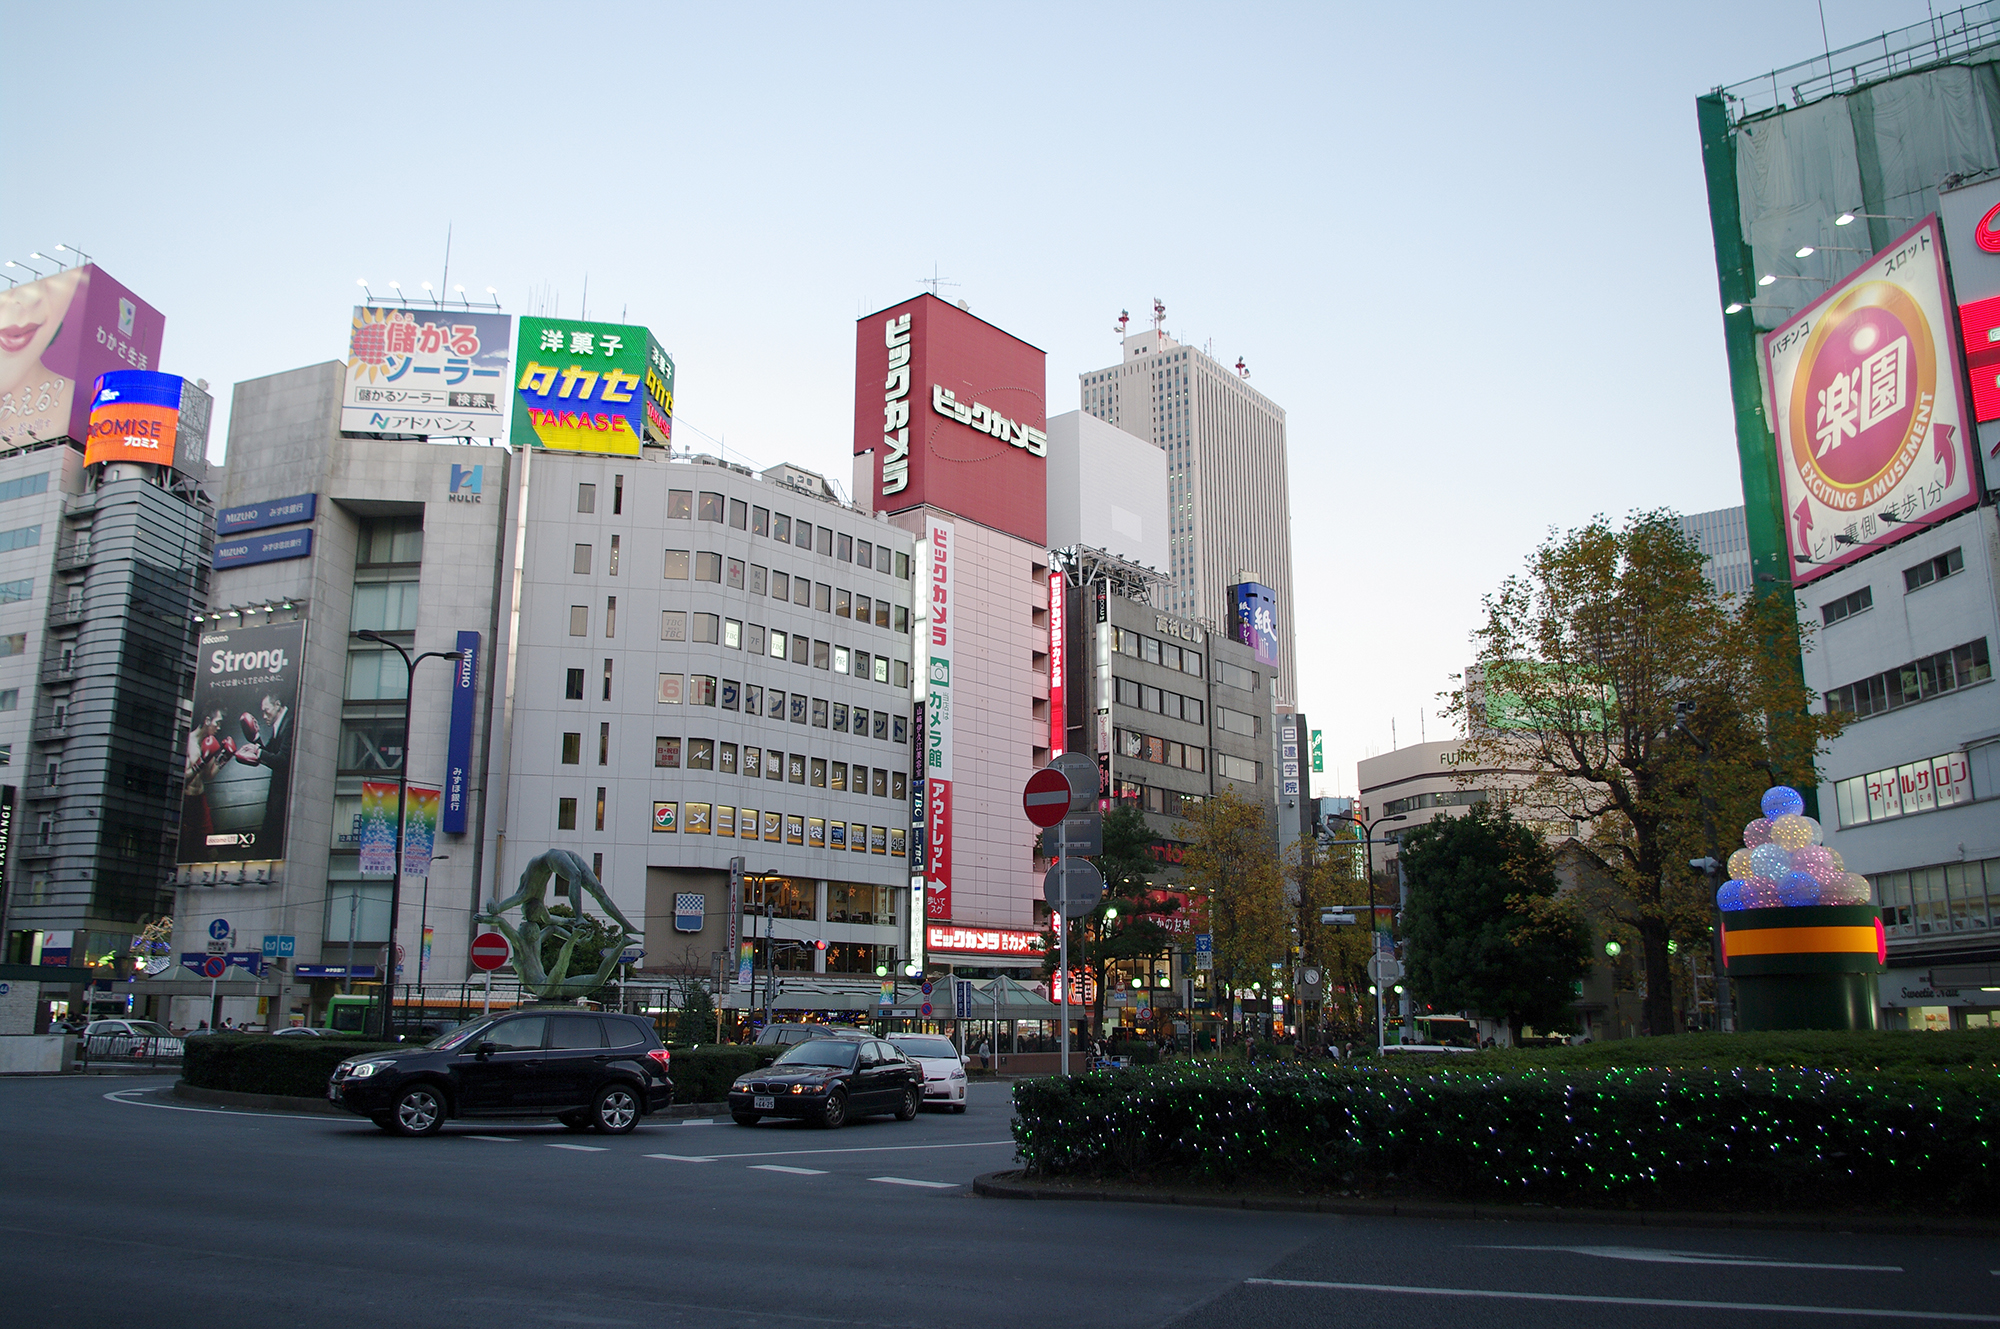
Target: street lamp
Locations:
point(1375, 943)
point(402, 803)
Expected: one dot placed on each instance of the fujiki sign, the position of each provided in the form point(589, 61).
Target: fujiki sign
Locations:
point(982, 941)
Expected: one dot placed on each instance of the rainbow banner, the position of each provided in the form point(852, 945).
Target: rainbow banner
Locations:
point(378, 828)
point(420, 819)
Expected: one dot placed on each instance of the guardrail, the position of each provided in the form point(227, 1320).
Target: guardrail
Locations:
point(128, 1051)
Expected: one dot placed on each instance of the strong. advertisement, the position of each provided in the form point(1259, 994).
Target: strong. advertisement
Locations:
point(237, 778)
point(1867, 407)
point(936, 650)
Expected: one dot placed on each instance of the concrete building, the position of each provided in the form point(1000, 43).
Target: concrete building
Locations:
point(1228, 488)
point(1724, 541)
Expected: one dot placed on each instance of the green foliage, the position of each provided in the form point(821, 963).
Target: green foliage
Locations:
point(261, 1064)
point(1232, 861)
point(1326, 879)
point(1672, 1139)
point(578, 942)
point(696, 1016)
point(702, 1074)
point(1970, 1056)
point(1097, 941)
point(1486, 931)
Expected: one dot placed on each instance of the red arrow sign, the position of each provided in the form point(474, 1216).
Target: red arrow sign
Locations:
point(490, 950)
point(1046, 798)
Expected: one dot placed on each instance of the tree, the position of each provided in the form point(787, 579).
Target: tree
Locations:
point(1328, 877)
point(1097, 941)
point(1232, 862)
point(1485, 930)
point(585, 939)
point(1593, 669)
point(687, 977)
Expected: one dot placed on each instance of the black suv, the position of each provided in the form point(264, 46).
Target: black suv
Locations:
point(587, 1069)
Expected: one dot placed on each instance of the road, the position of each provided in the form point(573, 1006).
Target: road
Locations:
point(117, 1202)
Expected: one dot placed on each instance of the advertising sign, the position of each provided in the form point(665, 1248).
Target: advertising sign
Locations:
point(135, 415)
point(952, 410)
point(591, 387)
point(1867, 409)
point(237, 777)
point(1058, 661)
point(57, 335)
point(378, 828)
point(261, 516)
point(982, 941)
point(1254, 619)
point(420, 818)
point(426, 371)
point(458, 746)
point(940, 539)
point(265, 547)
point(1971, 219)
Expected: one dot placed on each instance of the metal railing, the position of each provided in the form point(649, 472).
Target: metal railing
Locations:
point(74, 555)
point(124, 1051)
point(1954, 36)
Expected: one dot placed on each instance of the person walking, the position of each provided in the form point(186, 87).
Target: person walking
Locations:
point(985, 1052)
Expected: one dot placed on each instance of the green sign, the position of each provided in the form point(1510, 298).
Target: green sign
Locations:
point(1319, 755)
point(591, 387)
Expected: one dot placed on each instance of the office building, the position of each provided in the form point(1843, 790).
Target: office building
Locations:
point(1725, 549)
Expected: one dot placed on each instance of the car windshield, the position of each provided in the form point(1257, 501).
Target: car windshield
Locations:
point(820, 1052)
point(458, 1035)
point(151, 1030)
point(927, 1047)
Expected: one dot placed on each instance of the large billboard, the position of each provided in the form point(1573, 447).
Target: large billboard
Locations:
point(135, 415)
point(57, 335)
point(436, 372)
point(954, 412)
point(1871, 426)
point(591, 387)
point(939, 553)
point(238, 774)
point(1253, 619)
point(1971, 218)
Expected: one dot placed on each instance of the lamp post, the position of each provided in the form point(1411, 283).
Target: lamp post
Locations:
point(1374, 933)
point(1711, 867)
point(402, 801)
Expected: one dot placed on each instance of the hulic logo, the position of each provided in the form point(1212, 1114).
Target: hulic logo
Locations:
point(465, 483)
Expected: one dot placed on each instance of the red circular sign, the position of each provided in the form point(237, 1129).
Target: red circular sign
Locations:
point(1987, 233)
point(490, 950)
point(1862, 398)
point(1046, 799)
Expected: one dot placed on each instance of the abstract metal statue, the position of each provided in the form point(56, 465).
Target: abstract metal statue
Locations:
point(537, 924)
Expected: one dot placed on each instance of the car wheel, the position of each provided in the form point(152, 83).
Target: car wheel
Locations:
point(576, 1121)
point(616, 1111)
point(907, 1109)
point(419, 1110)
point(834, 1114)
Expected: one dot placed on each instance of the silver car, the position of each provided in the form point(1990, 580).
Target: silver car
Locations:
point(130, 1038)
point(944, 1069)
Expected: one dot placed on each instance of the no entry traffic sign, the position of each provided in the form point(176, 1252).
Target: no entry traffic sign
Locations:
point(1047, 797)
point(490, 951)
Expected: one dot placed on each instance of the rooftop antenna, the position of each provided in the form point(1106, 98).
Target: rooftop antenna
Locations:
point(934, 281)
point(1159, 315)
point(1124, 318)
point(1241, 368)
point(584, 313)
point(444, 282)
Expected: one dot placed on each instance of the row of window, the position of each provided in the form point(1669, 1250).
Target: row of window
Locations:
point(13, 643)
point(1153, 650)
point(1923, 574)
point(755, 763)
point(1165, 802)
point(12, 591)
point(798, 898)
point(1161, 752)
point(24, 485)
point(1951, 897)
point(1130, 692)
point(1900, 791)
point(773, 827)
point(1919, 680)
point(756, 579)
point(1450, 798)
point(734, 634)
point(703, 505)
point(770, 703)
point(21, 537)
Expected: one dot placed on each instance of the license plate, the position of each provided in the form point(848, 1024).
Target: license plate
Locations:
point(763, 1101)
point(333, 1091)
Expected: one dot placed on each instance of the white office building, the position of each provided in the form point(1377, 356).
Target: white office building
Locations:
point(1724, 542)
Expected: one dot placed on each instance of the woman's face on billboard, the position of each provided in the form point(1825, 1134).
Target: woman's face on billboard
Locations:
point(30, 316)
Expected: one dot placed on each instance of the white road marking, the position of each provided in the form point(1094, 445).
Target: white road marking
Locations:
point(497, 1139)
point(795, 1171)
point(866, 1149)
point(911, 1181)
point(1648, 1255)
point(118, 1096)
point(1871, 1312)
point(681, 1158)
point(580, 1148)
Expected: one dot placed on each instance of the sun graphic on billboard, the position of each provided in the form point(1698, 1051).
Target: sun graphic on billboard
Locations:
point(1862, 401)
point(368, 344)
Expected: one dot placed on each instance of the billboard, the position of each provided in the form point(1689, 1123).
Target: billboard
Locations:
point(262, 516)
point(57, 334)
point(458, 746)
point(135, 415)
point(1254, 620)
point(1058, 662)
point(954, 412)
point(436, 372)
point(940, 539)
point(591, 387)
point(1871, 428)
point(1971, 219)
point(237, 778)
point(268, 547)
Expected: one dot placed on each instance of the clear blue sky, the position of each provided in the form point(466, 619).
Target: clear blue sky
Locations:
point(1465, 246)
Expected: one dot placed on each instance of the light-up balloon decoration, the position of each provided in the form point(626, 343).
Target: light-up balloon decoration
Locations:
point(1782, 862)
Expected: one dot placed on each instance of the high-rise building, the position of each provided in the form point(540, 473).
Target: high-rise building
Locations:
point(1725, 549)
point(1229, 494)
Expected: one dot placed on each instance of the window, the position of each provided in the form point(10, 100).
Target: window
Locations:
point(711, 507)
point(701, 690)
point(902, 618)
point(902, 567)
point(822, 655)
point(600, 821)
point(614, 556)
point(673, 625)
point(864, 554)
point(617, 495)
point(818, 776)
point(781, 586)
point(802, 592)
point(826, 541)
point(753, 700)
point(759, 579)
point(839, 717)
point(390, 540)
point(823, 598)
point(843, 604)
point(860, 722)
point(844, 550)
point(586, 498)
point(753, 763)
point(799, 701)
point(774, 764)
point(1235, 676)
point(1919, 680)
point(899, 785)
point(707, 566)
point(680, 504)
point(607, 680)
point(881, 613)
point(20, 537)
point(837, 776)
point(734, 579)
point(579, 620)
point(753, 639)
point(677, 565)
point(15, 643)
point(573, 685)
point(1923, 574)
point(376, 676)
point(671, 688)
point(878, 782)
point(777, 644)
point(707, 628)
point(781, 527)
point(819, 713)
point(798, 649)
point(760, 521)
point(572, 749)
point(1190, 663)
point(610, 616)
point(732, 634)
point(1919, 786)
point(863, 669)
point(666, 752)
point(604, 743)
point(732, 694)
point(902, 679)
point(795, 769)
point(565, 814)
point(901, 726)
point(802, 534)
point(10, 591)
point(384, 606)
point(701, 754)
point(24, 486)
point(1236, 768)
point(880, 727)
point(739, 513)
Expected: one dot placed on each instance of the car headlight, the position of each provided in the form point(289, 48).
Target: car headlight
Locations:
point(362, 1070)
point(958, 1075)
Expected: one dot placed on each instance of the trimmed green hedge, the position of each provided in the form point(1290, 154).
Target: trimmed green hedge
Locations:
point(1701, 1139)
point(1891, 1051)
point(261, 1064)
point(702, 1074)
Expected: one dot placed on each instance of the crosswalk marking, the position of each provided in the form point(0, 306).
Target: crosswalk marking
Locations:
point(682, 1158)
point(580, 1148)
point(911, 1181)
point(795, 1171)
point(497, 1139)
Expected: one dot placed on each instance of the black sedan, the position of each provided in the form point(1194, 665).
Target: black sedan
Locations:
point(828, 1081)
point(590, 1070)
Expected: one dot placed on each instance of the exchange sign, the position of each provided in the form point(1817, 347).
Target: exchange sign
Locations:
point(1868, 409)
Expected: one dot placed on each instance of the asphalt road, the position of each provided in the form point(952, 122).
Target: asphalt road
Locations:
point(120, 1204)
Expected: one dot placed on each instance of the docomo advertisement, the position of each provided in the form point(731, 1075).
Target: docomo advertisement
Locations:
point(982, 941)
point(60, 333)
point(954, 413)
point(237, 775)
point(1058, 662)
point(591, 387)
point(1868, 409)
point(939, 551)
point(135, 415)
point(436, 372)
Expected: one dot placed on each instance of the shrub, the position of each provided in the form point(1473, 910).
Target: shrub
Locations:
point(261, 1064)
point(702, 1074)
point(1700, 1139)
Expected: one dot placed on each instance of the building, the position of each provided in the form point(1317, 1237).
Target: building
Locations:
point(1725, 549)
point(1107, 490)
point(1230, 498)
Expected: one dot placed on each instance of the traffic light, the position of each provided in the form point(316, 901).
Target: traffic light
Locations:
point(819, 945)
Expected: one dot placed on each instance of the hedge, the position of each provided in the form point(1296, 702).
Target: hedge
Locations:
point(1663, 1139)
point(261, 1064)
point(1895, 1052)
point(702, 1073)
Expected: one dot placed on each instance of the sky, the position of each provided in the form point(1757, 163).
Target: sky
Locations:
point(1465, 246)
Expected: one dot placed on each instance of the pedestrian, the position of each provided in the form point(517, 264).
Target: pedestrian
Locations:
point(985, 1051)
point(202, 1027)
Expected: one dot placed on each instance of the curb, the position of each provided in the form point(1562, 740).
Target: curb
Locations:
point(1012, 1186)
point(318, 1107)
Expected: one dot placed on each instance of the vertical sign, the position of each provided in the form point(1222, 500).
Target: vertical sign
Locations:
point(420, 818)
point(917, 801)
point(1058, 661)
point(378, 828)
point(1318, 754)
point(736, 919)
point(6, 832)
point(458, 749)
point(939, 538)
